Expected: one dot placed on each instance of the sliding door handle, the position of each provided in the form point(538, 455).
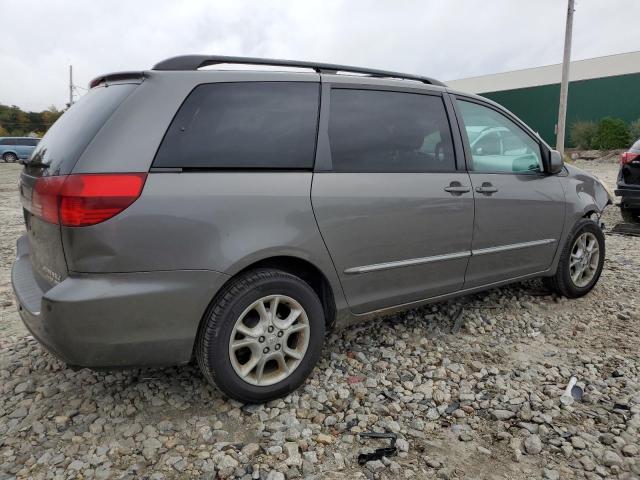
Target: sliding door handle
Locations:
point(486, 188)
point(456, 188)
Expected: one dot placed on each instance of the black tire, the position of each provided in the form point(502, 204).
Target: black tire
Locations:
point(561, 282)
point(630, 215)
point(10, 157)
point(212, 343)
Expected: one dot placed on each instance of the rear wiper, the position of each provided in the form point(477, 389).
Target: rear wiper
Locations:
point(35, 164)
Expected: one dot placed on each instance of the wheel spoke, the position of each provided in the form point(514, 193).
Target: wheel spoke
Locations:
point(575, 276)
point(248, 367)
point(262, 311)
point(260, 364)
point(293, 353)
point(588, 245)
point(291, 318)
point(246, 331)
point(282, 363)
point(296, 328)
point(248, 342)
point(273, 308)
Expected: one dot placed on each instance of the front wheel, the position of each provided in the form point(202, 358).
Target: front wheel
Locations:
point(262, 336)
point(581, 261)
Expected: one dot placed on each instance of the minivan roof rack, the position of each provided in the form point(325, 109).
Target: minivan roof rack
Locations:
point(194, 62)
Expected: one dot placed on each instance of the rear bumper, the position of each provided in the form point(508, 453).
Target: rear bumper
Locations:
point(630, 195)
point(115, 319)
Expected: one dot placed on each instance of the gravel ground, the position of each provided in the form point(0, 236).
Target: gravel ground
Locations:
point(471, 387)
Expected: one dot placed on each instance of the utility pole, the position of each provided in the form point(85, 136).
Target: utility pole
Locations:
point(564, 84)
point(70, 85)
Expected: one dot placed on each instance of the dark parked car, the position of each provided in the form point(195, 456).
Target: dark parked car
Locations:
point(235, 216)
point(13, 149)
point(629, 183)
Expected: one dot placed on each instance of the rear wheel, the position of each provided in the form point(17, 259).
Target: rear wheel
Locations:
point(581, 261)
point(10, 157)
point(262, 336)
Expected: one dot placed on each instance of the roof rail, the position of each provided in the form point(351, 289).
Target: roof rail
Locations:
point(194, 62)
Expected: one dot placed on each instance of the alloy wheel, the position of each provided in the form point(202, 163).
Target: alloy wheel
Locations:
point(585, 256)
point(269, 340)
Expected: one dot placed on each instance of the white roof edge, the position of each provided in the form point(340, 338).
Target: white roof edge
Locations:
point(607, 66)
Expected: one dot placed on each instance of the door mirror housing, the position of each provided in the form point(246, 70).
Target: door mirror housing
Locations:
point(556, 162)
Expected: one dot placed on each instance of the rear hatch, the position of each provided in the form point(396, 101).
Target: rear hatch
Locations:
point(47, 169)
point(630, 167)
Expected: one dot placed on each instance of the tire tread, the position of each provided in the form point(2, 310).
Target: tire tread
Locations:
point(560, 282)
point(215, 317)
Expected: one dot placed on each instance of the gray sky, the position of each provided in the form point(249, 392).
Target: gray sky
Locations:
point(443, 39)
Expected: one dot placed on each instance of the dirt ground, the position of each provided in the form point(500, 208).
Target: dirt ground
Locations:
point(471, 388)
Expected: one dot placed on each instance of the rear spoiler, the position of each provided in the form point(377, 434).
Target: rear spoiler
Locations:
point(116, 77)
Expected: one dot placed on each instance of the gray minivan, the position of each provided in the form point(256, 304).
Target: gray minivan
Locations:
point(233, 217)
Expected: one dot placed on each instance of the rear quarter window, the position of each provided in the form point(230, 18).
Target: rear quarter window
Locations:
point(65, 141)
point(261, 125)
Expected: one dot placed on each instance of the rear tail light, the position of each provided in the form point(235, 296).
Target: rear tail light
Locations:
point(628, 157)
point(44, 203)
point(85, 199)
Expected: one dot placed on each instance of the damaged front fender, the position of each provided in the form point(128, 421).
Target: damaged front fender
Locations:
point(585, 193)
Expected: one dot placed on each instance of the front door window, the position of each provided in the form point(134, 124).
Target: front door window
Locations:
point(497, 144)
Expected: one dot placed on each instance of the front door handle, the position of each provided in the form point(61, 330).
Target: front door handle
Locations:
point(456, 188)
point(486, 188)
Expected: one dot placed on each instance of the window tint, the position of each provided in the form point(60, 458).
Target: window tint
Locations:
point(23, 142)
point(33, 141)
point(5, 141)
point(244, 125)
point(68, 137)
point(497, 144)
point(376, 131)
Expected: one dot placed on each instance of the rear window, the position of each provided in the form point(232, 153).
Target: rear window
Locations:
point(269, 125)
point(69, 136)
point(382, 131)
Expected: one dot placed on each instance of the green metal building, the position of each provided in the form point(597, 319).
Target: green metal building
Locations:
point(599, 87)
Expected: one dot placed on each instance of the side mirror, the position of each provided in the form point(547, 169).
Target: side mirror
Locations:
point(556, 162)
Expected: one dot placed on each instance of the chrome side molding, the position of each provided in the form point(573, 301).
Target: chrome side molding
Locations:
point(406, 263)
point(448, 256)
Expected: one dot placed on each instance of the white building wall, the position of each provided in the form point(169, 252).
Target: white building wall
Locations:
point(608, 66)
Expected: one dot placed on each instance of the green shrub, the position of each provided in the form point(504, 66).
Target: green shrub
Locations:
point(582, 134)
point(634, 130)
point(612, 133)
